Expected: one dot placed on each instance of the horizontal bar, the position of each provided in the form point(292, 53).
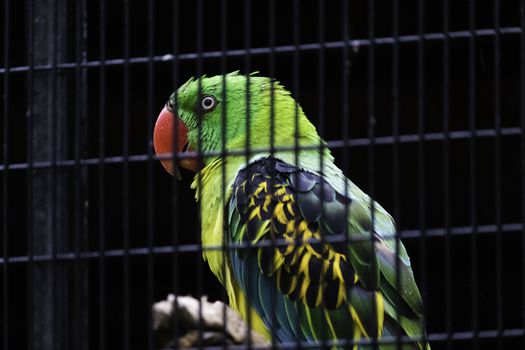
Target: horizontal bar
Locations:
point(356, 43)
point(432, 337)
point(358, 142)
point(192, 248)
point(343, 343)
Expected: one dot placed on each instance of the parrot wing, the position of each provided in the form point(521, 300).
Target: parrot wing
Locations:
point(309, 262)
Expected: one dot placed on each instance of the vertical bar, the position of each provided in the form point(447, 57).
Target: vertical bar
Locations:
point(472, 172)
point(77, 172)
point(247, 154)
point(522, 116)
point(200, 29)
point(296, 73)
point(101, 181)
point(345, 64)
point(224, 119)
point(446, 176)
point(174, 182)
point(149, 201)
point(296, 85)
point(271, 41)
point(5, 180)
point(320, 119)
point(395, 153)
point(320, 76)
point(54, 174)
point(49, 197)
point(345, 108)
point(421, 155)
point(80, 339)
point(125, 182)
point(30, 19)
point(497, 173)
point(371, 131)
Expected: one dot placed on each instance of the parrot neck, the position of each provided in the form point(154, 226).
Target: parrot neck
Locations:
point(213, 189)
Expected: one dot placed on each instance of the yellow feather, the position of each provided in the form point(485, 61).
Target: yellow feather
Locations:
point(278, 259)
point(297, 254)
point(380, 304)
point(330, 324)
point(309, 320)
point(267, 201)
point(263, 186)
point(287, 198)
point(281, 190)
point(357, 338)
point(290, 227)
point(319, 297)
point(263, 230)
point(357, 320)
point(326, 266)
point(290, 209)
point(303, 225)
point(290, 244)
point(312, 251)
point(303, 267)
point(279, 213)
point(255, 212)
point(341, 294)
point(304, 287)
point(337, 267)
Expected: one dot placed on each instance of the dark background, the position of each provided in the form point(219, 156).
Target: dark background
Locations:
point(440, 191)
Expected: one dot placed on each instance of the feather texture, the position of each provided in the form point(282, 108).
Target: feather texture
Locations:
point(310, 268)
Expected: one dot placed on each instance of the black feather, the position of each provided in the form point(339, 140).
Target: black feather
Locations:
point(330, 293)
point(334, 218)
point(347, 272)
point(266, 256)
point(363, 303)
point(252, 227)
point(310, 206)
point(324, 192)
point(294, 295)
point(302, 181)
point(311, 294)
point(285, 281)
point(315, 269)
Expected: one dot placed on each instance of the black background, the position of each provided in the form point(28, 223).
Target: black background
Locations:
point(422, 196)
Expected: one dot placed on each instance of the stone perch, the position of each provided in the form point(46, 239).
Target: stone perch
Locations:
point(213, 330)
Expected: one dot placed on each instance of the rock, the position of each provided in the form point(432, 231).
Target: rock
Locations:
point(212, 331)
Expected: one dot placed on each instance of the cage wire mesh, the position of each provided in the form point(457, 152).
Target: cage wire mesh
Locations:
point(421, 103)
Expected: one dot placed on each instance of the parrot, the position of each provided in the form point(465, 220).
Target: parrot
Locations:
point(302, 252)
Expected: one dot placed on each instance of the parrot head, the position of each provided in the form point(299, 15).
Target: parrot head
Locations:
point(202, 111)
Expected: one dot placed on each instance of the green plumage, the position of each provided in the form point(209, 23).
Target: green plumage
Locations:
point(312, 259)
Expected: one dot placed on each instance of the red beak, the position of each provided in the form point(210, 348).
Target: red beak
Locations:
point(171, 136)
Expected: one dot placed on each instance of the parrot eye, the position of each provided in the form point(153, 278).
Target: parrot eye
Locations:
point(208, 103)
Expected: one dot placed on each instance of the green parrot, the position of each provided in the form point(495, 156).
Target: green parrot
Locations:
point(312, 258)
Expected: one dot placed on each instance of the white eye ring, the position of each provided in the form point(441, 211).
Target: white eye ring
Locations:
point(208, 103)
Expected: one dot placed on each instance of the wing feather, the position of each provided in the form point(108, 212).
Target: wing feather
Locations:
point(316, 268)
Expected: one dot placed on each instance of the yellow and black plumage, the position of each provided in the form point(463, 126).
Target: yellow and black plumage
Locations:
point(308, 266)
